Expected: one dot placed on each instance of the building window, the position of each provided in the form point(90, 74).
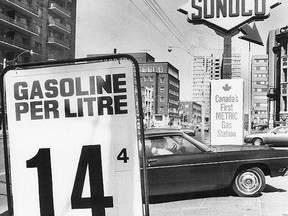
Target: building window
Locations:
point(39, 29)
point(285, 103)
point(38, 47)
point(40, 12)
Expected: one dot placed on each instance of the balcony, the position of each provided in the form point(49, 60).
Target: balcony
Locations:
point(15, 24)
point(13, 44)
point(53, 24)
point(58, 43)
point(57, 9)
point(23, 6)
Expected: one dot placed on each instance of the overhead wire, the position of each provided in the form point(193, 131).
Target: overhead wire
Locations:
point(150, 21)
point(158, 11)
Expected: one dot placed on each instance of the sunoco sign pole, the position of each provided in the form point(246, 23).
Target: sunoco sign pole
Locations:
point(226, 17)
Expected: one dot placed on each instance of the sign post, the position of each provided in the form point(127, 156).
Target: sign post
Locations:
point(73, 143)
point(226, 18)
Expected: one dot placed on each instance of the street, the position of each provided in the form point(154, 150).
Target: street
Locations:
point(272, 202)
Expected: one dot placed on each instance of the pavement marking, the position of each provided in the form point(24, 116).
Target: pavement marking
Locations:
point(200, 207)
point(3, 173)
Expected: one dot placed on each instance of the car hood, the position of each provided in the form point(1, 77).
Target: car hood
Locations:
point(223, 148)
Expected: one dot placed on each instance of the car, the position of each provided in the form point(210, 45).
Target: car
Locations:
point(177, 163)
point(275, 137)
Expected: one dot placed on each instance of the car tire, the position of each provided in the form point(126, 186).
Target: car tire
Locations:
point(257, 142)
point(249, 183)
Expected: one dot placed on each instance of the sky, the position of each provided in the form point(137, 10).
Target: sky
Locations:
point(133, 26)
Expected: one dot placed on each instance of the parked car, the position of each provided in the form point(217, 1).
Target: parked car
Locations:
point(177, 163)
point(276, 137)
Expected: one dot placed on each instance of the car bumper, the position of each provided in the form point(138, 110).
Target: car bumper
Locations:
point(247, 140)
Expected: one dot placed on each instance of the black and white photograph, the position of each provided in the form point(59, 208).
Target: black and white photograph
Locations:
point(143, 108)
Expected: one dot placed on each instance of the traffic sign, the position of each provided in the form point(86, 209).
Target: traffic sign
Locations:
point(73, 140)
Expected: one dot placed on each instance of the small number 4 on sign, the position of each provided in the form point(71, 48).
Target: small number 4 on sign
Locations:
point(123, 155)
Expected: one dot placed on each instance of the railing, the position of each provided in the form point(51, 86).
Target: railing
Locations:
point(60, 25)
point(18, 23)
point(14, 42)
point(57, 41)
point(26, 5)
point(56, 6)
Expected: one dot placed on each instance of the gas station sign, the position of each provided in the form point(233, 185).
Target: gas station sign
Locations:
point(73, 140)
point(227, 14)
point(227, 111)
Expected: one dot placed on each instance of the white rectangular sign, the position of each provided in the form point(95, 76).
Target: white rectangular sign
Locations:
point(227, 111)
point(73, 140)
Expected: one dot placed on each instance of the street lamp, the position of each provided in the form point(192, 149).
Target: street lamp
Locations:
point(17, 57)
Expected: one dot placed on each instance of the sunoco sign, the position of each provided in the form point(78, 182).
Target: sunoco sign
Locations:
point(227, 14)
point(226, 111)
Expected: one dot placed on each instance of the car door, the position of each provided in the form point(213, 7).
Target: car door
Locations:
point(180, 170)
point(278, 137)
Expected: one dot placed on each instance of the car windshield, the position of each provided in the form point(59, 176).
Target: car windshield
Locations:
point(173, 144)
point(278, 130)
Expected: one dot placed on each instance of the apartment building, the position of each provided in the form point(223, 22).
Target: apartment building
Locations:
point(205, 68)
point(236, 65)
point(259, 98)
point(47, 27)
point(163, 78)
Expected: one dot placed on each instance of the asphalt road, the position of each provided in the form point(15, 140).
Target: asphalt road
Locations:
point(272, 202)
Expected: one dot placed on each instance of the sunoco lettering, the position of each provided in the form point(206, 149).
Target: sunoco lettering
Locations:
point(211, 8)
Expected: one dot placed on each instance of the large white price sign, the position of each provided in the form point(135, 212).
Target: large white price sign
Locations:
point(73, 140)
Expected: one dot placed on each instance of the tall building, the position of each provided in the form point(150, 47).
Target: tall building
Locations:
point(259, 98)
point(205, 68)
point(278, 55)
point(47, 27)
point(236, 65)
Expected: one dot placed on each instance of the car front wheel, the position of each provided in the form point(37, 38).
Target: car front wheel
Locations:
point(257, 142)
point(249, 182)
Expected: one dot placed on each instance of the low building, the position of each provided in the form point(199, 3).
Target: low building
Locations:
point(190, 112)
